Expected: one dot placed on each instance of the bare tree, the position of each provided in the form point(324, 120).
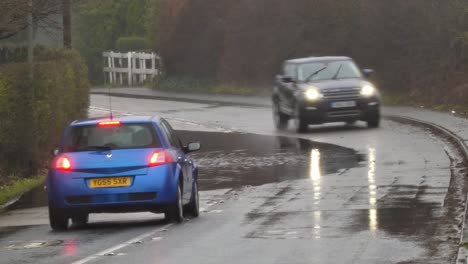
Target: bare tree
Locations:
point(66, 11)
point(15, 13)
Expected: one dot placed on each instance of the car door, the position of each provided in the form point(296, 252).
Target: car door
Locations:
point(185, 163)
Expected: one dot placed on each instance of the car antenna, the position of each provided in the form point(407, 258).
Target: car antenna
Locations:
point(110, 102)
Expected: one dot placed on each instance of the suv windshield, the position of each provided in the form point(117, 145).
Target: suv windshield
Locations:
point(328, 70)
point(124, 136)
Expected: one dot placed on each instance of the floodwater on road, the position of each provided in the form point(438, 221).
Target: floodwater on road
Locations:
point(233, 160)
point(230, 160)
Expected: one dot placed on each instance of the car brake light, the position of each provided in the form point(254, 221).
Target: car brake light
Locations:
point(109, 123)
point(160, 157)
point(63, 163)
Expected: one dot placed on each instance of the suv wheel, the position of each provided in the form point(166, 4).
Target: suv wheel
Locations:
point(374, 120)
point(58, 219)
point(176, 212)
point(299, 123)
point(193, 208)
point(281, 119)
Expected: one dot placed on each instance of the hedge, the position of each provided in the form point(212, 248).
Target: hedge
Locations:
point(126, 44)
point(33, 114)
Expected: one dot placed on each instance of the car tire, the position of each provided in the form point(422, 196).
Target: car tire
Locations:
point(80, 219)
point(374, 120)
point(350, 123)
point(280, 119)
point(193, 208)
point(58, 219)
point(176, 212)
point(300, 126)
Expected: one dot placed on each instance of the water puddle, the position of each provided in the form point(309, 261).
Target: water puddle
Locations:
point(232, 160)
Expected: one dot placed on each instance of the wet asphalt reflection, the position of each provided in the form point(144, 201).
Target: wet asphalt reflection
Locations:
point(233, 160)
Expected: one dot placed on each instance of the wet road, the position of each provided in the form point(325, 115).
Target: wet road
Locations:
point(335, 195)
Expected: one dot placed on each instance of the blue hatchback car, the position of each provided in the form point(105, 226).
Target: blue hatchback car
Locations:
point(122, 164)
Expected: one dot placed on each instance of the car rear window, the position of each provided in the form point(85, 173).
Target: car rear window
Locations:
point(123, 136)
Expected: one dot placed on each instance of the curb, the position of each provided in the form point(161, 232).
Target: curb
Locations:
point(462, 256)
point(182, 99)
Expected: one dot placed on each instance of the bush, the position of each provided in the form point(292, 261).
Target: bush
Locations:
point(189, 84)
point(418, 50)
point(126, 44)
point(34, 114)
point(98, 25)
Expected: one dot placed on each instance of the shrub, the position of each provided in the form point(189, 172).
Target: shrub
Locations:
point(126, 44)
point(191, 84)
point(34, 113)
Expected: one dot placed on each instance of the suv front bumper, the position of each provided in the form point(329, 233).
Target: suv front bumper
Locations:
point(322, 111)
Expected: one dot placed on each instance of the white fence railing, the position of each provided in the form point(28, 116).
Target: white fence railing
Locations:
point(130, 68)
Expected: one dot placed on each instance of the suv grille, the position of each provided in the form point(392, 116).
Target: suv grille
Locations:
point(342, 93)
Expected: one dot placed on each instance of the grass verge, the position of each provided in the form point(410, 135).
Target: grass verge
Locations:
point(17, 186)
point(194, 85)
point(459, 110)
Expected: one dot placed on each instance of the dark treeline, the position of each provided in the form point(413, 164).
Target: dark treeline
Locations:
point(417, 47)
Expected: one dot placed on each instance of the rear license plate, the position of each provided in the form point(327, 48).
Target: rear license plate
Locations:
point(343, 104)
point(109, 182)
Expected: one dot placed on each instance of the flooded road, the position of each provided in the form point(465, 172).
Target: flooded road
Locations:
point(234, 160)
point(333, 195)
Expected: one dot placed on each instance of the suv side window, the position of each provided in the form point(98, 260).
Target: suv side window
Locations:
point(289, 70)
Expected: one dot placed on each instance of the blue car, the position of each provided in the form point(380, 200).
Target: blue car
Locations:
point(122, 164)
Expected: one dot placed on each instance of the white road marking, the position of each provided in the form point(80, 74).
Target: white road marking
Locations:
point(148, 234)
point(122, 245)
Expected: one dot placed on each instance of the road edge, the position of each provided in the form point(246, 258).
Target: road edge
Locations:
point(462, 255)
point(180, 99)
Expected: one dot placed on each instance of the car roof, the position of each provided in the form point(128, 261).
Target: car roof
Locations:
point(126, 119)
point(317, 59)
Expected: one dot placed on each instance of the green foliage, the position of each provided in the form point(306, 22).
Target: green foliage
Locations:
point(418, 48)
point(18, 187)
point(99, 24)
point(34, 114)
point(126, 44)
point(190, 84)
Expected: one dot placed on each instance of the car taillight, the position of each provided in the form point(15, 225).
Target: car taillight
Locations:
point(160, 157)
point(109, 123)
point(62, 163)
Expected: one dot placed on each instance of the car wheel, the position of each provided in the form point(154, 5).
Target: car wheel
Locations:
point(176, 212)
point(193, 208)
point(351, 122)
point(299, 123)
point(80, 219)
point(281, 119)
point(373, 121)
point(58, 219)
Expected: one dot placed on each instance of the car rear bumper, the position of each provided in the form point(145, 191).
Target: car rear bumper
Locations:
point(151, 192)
point(323, 112)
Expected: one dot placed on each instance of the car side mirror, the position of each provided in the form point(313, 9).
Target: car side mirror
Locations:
point(55, 152)
point(368, 73)
point(191, 147)
point(287, 79)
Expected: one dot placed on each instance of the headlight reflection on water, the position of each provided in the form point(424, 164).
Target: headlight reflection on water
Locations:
point(316, 177)
point(373, 218)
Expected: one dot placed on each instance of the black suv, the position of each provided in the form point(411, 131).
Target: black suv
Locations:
point(317, 90)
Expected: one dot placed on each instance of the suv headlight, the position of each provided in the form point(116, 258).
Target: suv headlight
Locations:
point(312, 94)
point(368, 90)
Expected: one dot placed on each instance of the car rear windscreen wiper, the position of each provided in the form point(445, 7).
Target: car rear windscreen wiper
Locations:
point(315, 73)
point(337, 72)
point(99, 147)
